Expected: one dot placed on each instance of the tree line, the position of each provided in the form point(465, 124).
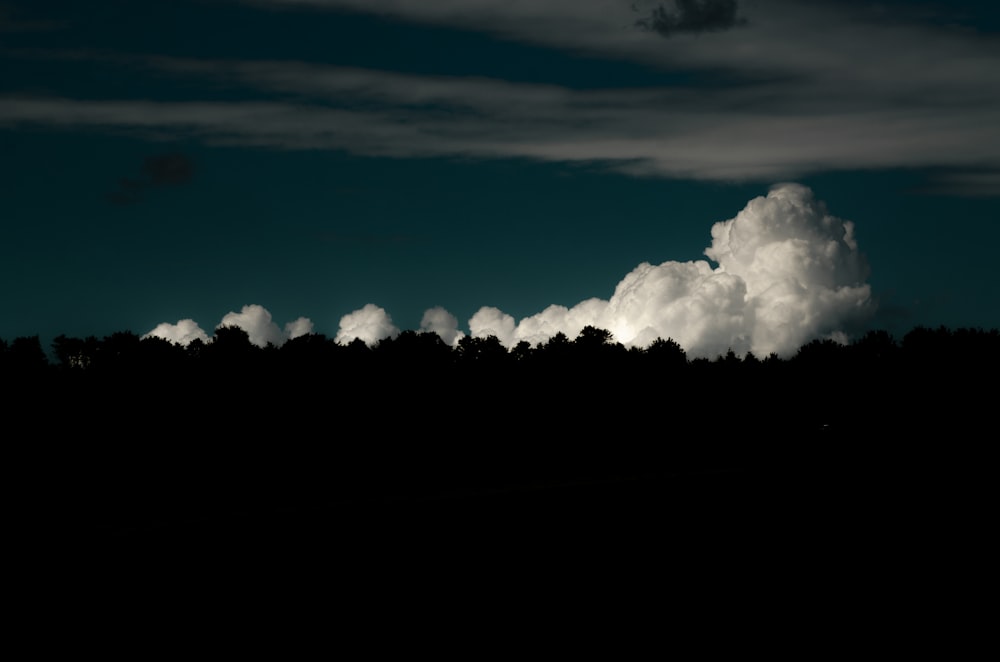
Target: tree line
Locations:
point(930, 373)
point(231, 348)
point(124, 429)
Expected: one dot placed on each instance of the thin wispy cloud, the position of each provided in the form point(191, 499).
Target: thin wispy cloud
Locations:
point(647, 131)
point(806, 89)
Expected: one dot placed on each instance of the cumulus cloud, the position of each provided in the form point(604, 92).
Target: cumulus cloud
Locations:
point(254, 319)
point(369, 324)
point(440, 321)
point(303, 326)
point(788, 272)
point(801, 266)
point(490, 321)
point(693, 16)
point(261, 328)
point(182, 333)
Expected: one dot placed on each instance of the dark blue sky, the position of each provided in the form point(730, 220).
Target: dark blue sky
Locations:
point(180, 159)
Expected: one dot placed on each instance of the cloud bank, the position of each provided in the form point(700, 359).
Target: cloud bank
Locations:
point(784, 97)
point(787, 272)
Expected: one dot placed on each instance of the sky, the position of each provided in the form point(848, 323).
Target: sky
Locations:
point(733, 174)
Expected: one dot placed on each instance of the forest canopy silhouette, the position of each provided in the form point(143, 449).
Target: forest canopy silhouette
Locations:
point(126, 430)
point(418, 368)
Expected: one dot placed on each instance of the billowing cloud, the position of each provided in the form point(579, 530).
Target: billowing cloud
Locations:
point(369, 324)
point(440, 321)
point(692, 16)
point(253, 319)
point(490, 321)
point(261, 328)
point(787, 272)
point(559, 319)
point(802, 269)
point(182, 333)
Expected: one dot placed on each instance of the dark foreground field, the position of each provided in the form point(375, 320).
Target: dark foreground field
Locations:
point(816, 501)
point(794, 546)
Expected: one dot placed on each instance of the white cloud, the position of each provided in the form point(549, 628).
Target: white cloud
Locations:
point(903, 94)
point(182, 333)
point(559, 319)
point(257, 322)
point(303, 326)
point(490, 321)
point(791, 98)
point(370, 324)
point(788, 272)
point(254, 319)
point(440, 321)
point(803, 272)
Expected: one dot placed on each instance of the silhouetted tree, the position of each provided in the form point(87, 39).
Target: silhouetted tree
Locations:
point(927, 346)
point(121, 350)
point(76, 353)
point(25, 356)
point(195, 350)
point(556, 352)
point(482, 352)
point(592, 337)
point(414, 350)
point(666, 354)
point(875, 346)
point(159, 355)
point(522, 352)
point(231, 351)
point(821, 354)
point(312, 353)
point(730, 359)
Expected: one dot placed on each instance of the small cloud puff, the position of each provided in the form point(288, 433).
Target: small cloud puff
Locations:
point(257, 322)
point(253, 319)
point(182, 333)
point(440, 321)
point(368, 324)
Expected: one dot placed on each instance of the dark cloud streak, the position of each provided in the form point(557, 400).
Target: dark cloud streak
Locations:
point(13, 20)
point(171, 169)
point(693, 16)
point(168, 169)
